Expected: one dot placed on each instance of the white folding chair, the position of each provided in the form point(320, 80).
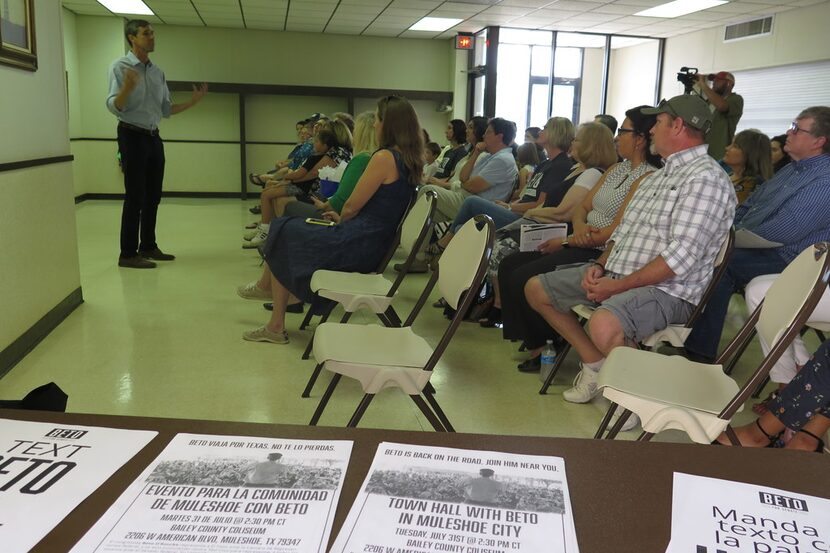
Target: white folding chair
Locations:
point(671, 392)
point(674, 334)
point(395, 357)
point(373, 291)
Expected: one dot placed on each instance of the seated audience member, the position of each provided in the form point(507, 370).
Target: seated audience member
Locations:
point(608, 120)
point(532, 134)
point(346, 119)
point(492, 178)
point(750, 160)
point(303, 183)
point(802, 406)
point(295, 157)
point(796, 355)
point(657, 261)
point(431, 152)
point(790, 209)
point(527, 158)
point(594, 149)
point(780, 158)
point(364, 146)
point(547, 183)
point(593, 222)
point(474, 134)
point(456, 150)
point(365, 228)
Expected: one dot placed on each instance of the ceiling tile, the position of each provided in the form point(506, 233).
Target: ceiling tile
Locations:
point(526, 3)
point(618, 9)
point(416, 4)
point(266, 25)
point(515, 11)
point(419, 34)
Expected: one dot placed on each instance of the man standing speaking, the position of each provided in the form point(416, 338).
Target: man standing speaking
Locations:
point(139, 98)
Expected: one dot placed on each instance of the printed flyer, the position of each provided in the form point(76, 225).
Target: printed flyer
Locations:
point(718, 516)
point(47, 469)
point(419, 499)
point(207, 493)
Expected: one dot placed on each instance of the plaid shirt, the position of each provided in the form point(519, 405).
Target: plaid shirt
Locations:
point(682, 213)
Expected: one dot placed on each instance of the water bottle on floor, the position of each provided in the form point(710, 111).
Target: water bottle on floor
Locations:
point(548, 360)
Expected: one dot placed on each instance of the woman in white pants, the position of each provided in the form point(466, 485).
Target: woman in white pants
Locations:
point(796, 355)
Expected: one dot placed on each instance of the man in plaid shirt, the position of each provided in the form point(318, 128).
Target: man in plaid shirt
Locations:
point(658, 260)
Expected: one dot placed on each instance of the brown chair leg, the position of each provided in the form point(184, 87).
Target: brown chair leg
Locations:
point(645, 437)
point(315, 418)
point(433, 420)
point(618, 425)
point(445, 422)
point(312, 380)
point(606, 420)
point(361, 408)
point(306, 320)
point(560, 358)
point(757, 393)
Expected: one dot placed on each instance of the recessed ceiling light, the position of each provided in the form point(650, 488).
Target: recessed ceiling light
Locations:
point(680, 7)
point(435, 24)
point(131, 7)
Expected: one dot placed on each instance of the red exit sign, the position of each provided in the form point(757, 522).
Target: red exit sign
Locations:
point(464, 42)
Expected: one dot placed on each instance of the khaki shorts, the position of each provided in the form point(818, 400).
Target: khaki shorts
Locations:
point(641, 311)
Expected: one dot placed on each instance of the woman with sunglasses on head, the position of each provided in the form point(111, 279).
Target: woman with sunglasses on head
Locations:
point(593, 222)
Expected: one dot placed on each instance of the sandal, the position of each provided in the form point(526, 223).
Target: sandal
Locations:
point(761, 407)
point(772, 439)
point(819, 442)
point(254, 178)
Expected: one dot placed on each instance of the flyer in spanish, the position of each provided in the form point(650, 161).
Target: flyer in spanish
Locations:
point(419, 499)
point(47, 469)
point(710, 515)
point(207, 493)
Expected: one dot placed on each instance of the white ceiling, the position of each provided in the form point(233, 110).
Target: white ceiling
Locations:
point(393, 17)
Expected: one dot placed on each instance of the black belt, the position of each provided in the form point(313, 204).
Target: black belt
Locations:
point(138, 129)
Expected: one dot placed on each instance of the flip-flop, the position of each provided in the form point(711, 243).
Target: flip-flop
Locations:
point(254, 178)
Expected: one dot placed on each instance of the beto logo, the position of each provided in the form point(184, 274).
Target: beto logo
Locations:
point(66, 433)
point(783, 501)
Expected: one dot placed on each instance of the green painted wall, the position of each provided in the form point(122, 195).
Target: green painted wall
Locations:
point(236, 56)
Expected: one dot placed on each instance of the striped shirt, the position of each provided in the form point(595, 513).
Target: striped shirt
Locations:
point(614, 189)
point(681, 213)
point(792, 208)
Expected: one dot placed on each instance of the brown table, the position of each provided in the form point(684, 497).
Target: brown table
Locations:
point(620, 491)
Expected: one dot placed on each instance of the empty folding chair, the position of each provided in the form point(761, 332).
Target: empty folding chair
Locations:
point(674, 334)
point(671, 392)
point(373, 291)
point(386, 357)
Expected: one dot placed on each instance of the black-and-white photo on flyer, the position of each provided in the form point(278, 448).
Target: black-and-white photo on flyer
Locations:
point(419, 499)
point(710, 515)
point(46, 470)
point(228, 494)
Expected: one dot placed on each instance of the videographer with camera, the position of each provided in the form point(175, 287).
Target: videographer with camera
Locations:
point(726, 107)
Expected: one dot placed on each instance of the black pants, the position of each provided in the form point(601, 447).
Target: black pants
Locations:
point(142, 160)
point(521, 322)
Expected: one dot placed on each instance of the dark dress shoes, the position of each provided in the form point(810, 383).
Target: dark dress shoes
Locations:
point(157, 254)
point(532, 365)
point(135, 262)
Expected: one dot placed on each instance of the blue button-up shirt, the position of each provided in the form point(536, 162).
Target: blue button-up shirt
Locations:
point(149, 100)
point(792, 208)
point(500, 172)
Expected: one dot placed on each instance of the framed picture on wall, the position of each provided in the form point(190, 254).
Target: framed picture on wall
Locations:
point(17, 34)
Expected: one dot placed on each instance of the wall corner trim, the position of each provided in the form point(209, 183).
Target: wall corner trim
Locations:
point(17, 350)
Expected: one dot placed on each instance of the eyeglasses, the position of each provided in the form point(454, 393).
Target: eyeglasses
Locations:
point(795, 128)
point(622, 130)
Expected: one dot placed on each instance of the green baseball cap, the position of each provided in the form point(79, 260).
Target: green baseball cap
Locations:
point(690, 108)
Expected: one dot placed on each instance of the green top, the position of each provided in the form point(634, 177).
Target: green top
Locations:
point(349, 180)
point(723, 126)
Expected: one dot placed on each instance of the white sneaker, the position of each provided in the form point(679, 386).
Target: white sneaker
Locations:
point(249, 234)
point(630, 424)
point(256, 241)
point(251, 291)
point(585, 387)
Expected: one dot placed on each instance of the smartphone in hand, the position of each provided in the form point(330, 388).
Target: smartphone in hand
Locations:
point(322, 222)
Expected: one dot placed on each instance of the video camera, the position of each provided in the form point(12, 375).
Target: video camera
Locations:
point(687, 76)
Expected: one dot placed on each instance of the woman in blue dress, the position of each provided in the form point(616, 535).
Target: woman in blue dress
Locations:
point(364, 229)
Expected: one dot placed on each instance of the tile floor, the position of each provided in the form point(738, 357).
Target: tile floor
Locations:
point(167, 343)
